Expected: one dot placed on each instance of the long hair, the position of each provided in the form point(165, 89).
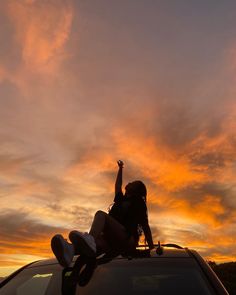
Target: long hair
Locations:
point(140, 190)
point(140, 194)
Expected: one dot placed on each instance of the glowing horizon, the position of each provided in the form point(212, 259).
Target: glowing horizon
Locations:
point(150, 83)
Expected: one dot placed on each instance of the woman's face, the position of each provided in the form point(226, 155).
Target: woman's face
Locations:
point(130, 189)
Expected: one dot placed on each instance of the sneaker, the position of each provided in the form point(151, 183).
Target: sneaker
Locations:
point(63, 250)
point(84, 242)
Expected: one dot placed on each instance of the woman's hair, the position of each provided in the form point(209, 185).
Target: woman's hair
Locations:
point(141, 193)
point(140, 189)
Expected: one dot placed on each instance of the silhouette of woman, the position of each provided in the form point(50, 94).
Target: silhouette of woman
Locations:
point(116, 232)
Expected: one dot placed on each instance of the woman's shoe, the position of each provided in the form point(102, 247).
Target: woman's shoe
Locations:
point(63, 250)
point(84, 243)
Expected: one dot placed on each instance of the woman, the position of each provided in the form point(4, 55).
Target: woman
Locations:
point(116, 232)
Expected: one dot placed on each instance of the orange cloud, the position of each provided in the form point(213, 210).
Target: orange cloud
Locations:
point(181, 142)
point(205, 211)
point(157, 162)
point(42, 29)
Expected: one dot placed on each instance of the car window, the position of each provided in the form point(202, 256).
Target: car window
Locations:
point(176, 276)
point(38, 282)
point(121, 276)
point(43, 280)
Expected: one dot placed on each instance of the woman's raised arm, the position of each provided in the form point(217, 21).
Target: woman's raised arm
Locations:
point(118, 183)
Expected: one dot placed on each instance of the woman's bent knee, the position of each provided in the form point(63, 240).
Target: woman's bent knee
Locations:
point(72, 235)
point(100, 213)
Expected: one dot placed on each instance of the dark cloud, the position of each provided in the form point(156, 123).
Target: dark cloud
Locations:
point(219, 251)
point(20, 224)
point(179, 122)
point(210, 160)
point(21, 234)
point(196, 194)
point(176, 124)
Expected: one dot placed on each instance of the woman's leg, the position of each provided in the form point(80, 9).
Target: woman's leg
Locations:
point(102, 245)
point(98, 224)
point(114, 233)
point(108, 234)
point(63, 250)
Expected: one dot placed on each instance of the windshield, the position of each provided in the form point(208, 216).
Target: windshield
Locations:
point(40, 280)
point(138, 276)
point(161, 276)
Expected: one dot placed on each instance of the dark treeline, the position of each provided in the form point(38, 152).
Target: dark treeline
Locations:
point(227, 274)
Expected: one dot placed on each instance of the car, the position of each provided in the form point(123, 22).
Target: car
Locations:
point(166, 270)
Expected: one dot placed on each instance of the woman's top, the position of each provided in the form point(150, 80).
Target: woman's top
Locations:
point(130, 212)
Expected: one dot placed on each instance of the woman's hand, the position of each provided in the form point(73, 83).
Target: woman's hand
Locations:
point(120, 163)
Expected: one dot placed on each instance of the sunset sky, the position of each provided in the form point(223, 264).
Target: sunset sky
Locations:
point(84, 83)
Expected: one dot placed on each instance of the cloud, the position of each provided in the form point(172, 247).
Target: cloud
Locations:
point(42, 28)
point(80, 89)
point(25, 236)
point(24, 239)
point(21, 234)
point(74, 216)
point(34, 35)
point(11, 165)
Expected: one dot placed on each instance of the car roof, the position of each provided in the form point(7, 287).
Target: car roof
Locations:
point(164, 253)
